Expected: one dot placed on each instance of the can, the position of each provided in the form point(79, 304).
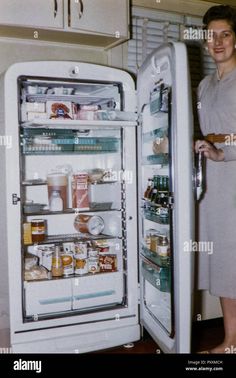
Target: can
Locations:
point(93, 264)
point(93, 252)
point(81, 250)
point(91, 224)
point(81, 266)
point(67, 263)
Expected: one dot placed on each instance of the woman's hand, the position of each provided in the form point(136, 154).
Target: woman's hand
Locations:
point(210, 151)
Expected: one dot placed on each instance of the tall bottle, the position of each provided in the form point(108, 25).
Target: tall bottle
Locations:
point(148, 190)
point(57, 268)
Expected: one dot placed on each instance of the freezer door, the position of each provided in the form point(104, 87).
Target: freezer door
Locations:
point(166, 197)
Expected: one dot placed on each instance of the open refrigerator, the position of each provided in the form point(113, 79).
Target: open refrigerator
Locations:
point(97, 196)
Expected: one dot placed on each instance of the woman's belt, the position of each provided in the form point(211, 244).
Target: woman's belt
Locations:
point(220, 138)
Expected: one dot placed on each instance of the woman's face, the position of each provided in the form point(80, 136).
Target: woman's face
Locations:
point(222, 41)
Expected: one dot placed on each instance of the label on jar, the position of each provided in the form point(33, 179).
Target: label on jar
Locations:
point(91, 224)
point(162, 250)
point(67, 263)
point(38, 230)
point(81, 266)
point(93, 264)
point(81, 250)
point(93, 252)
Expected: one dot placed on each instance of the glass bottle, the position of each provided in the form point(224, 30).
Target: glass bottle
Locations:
point(148, 189)
point(163, 246)
point(57, 267)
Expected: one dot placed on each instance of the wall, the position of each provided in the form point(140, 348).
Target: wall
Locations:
point(193, 7)
point(14, 50)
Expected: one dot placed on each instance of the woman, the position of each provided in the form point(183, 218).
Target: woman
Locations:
point(217, 115)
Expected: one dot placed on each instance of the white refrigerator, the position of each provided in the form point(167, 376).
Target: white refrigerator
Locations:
point(88, 266)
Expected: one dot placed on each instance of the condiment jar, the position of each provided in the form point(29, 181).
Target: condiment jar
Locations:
point(38, 230)
point(163, 246)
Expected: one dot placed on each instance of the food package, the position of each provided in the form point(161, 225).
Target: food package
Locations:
point(35, 272)
point(108, 263)
point(59, 109)
point(80, 198)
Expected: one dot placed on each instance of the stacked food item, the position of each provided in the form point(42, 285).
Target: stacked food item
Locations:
point(70, 258)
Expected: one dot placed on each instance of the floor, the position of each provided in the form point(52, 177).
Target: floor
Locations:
point(205, 335)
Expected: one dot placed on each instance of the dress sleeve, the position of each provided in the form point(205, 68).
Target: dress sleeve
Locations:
point(229, 153)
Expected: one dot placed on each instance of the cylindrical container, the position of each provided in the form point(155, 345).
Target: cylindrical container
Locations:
point(93, 252)
point(58, 182)
point(163, 246)
point(81, 266)
point(67, 263)
point(81, 250)
point(153, 243)
point(55, 201)
point(38, 230)
point(91, 224)
point(93, 264)
point(57, 268)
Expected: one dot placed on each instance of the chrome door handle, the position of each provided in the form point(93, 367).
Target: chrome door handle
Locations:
point(198, 175)
point(81, 8)
point(55, 8)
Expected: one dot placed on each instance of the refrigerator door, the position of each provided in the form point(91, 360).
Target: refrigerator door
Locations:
point(166, 205)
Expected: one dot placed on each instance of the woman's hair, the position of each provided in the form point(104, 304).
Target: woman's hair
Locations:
point(220, 12)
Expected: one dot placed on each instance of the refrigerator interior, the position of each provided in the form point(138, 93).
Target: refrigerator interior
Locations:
point(63, 131)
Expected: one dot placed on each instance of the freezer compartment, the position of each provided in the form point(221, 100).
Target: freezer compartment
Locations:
point(158, 277)
point(67, 99)
point(98, 290)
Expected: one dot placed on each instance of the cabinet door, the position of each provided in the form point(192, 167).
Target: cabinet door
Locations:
point(43, 13)
point(108, 17)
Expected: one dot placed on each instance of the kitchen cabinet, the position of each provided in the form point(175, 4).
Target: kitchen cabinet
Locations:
point(89, 15)
point(31, 13)
point(103, 23)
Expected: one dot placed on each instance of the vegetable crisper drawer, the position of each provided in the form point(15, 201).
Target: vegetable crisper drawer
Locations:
point(159, 277)
point(45, 297)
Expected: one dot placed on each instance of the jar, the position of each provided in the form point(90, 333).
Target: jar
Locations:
point(163, 246)
point(91, 224)
point(154, 243)
point(55, 202)
point(38, 230)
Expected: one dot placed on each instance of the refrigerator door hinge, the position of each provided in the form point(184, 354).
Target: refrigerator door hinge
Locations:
point(171, 201)
point(15, 199)
point(138, 294)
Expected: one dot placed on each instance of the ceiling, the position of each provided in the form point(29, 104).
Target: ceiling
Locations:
point(225, 2)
